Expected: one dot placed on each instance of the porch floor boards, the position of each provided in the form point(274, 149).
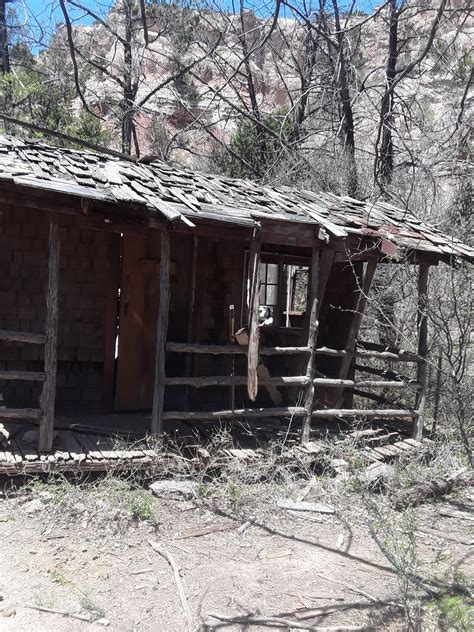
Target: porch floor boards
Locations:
point(96, 447)
point(74, 452)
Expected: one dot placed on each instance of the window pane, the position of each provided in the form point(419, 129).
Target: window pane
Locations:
point(263, 272)
point(272, 295)
point(262, 295)
point(272, 273)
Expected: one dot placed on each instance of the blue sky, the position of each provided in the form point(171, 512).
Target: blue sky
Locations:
point(48, 12)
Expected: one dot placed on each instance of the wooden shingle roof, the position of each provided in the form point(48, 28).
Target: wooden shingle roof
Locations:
point(188, 196)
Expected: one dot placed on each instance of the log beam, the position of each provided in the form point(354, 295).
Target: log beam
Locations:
point(20, 413)
point(183, 347)
point(48, 395)
point(22, 336)
point(161, 335)
point(382, 413)
point(312, 340)
point(247, 413)
point(235, 380)
point(422, 373)
point(254, 302)
point(34, 376)
point(356, 322)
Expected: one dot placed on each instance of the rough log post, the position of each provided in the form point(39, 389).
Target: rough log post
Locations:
point(161, 335)
point(110, 321)
point(48, 394)
point(422, 373)
point(312, 341)
point(356, 322)
point(192, 303)
point(254, 327)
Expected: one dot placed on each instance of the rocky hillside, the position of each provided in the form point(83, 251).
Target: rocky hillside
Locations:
point(183, 118)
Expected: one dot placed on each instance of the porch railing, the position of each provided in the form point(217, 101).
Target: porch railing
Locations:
point(364, 350)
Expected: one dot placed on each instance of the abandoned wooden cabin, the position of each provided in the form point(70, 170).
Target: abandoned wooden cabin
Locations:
point(139, 287)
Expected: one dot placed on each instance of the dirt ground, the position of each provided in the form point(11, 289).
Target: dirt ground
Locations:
point(78, 556)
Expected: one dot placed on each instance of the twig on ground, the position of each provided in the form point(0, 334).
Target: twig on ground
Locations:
point(64, 613)
point(348, 586)
point(286, 623)
point(179, 584)
point(243, 527)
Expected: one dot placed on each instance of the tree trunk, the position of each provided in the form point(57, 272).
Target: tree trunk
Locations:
point(128, 97)
point(337, 53)
point(386, 158)
point(261, 133)
point(4, 53)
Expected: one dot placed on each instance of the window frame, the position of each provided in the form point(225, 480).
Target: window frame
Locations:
point(280, 260)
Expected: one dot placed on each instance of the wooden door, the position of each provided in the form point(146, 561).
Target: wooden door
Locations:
point(139, 297)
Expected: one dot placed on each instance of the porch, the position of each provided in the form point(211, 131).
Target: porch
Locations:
point(106, 443)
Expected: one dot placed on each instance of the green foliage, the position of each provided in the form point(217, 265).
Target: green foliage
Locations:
point(233, 491)
point(256, 149)
point(455, 613)
point(141, 505)
point(89, 127)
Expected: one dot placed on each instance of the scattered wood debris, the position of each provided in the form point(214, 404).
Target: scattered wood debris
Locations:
point(179, 584)
point(294, 505)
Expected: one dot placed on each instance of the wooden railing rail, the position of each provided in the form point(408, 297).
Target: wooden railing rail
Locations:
point(183, 347)
point(236, 380)
point(247, 413)
point(22, 336)
point(366, 383)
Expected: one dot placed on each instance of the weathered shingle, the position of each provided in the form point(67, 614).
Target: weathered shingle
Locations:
point(179, 194)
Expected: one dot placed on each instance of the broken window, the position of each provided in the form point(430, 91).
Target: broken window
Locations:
point(283, 291)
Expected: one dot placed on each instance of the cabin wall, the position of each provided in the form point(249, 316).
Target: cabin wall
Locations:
point(82, 296)
point(219, 275)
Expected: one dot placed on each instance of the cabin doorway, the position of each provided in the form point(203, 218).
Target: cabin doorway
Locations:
point(139, 300)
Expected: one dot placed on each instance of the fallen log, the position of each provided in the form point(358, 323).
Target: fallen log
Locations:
point(436, 488)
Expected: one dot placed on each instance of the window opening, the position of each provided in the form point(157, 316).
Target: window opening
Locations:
point(269, 275)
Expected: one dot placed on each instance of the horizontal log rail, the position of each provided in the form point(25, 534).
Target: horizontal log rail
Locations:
point(387, 374)
point(235, 380)
point(296, 411)
point(34, 376)
point(366, 383)
point(249, 413)
point(374, 346)
point(291, 380)
point(22, 336)
point(372, 413)
point(365, 353)
point(183, 347)
point(20, 413)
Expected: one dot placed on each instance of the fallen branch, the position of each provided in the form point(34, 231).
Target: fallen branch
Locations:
point(196, 533)
point(433, 489)
point(287, 623)
point(64, 613)
point(179, 584)
point(349, 587)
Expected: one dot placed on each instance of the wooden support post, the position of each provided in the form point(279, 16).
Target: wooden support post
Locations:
point(48, 394)
point(422, 373)
point(161, 335)
point(312, 342)
point(254, 302)
point(110, 321)
point(356, 322)
point(192, 303)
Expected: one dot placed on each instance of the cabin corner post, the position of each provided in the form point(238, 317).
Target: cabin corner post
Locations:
point(422, 328)
point(254, 303)
point(161, 336)
point(351, 341)
point(312, 343)
point(48, 394)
